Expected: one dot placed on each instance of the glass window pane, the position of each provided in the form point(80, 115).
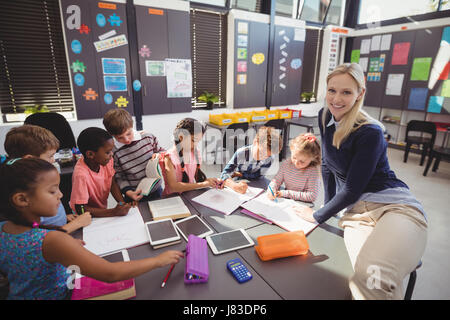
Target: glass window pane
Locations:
point(284, 7)
point(375, 10)
point(334, 13)
point(314, 10)
point(249, 5)
point(220, 3)
point(445, 5)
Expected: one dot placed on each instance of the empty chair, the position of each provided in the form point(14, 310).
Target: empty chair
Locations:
point(426, 142)
point(57, 124)
point(438, 153)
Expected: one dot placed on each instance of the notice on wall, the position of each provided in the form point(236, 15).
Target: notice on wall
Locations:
point(394, 84)
point(113, 66)
point(179, 78)
point(365, 46)
point(400, 53)
point(110, 43)
point(363, 62)
point(385, 42)
point(375, 44)
point(155, 68)
point(421, 69)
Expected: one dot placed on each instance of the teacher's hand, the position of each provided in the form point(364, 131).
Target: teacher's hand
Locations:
point(306, 213)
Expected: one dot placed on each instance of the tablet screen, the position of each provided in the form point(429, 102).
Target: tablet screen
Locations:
point(161, 230)
point(114, 257)
point(192, 226)
point(229, 240)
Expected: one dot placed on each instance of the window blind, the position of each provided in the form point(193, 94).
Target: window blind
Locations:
point(33, 67)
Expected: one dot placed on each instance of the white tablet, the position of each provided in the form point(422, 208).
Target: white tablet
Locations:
point(193, 225)
point(161, 231)
point(229, 241)
point(118, 256)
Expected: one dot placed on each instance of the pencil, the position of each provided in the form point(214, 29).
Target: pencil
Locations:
point(167, 276)
point(82, 209)
point(275, 199)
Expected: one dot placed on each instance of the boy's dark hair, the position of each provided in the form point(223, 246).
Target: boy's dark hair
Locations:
point(117, 121)
point(29, 139)
point(92, 139)
point(21, 175)
point(192, 127)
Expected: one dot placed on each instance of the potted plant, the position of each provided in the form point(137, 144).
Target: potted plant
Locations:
point(307, 96)
point(209, 98)
point(35, 109)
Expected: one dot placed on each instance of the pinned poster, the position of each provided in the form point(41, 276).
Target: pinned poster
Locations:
point(299, 34)
point(242, 79)
point(421, 69)
point(374, 65)
point(113, 66)
point(365, 46)
point(435, 104)
point(394, 84)
point(178, 78)
point(385, 42)
point(242, 53)
point(375, 44)
point(446, 89)
point(243, 27)
point(242, 40)
point(155, 68)
point(400, 53)
point(115, 83)
point(355, 56)
point(110, 43)
point(242, 66)
point(363, 62)
point(418, 99)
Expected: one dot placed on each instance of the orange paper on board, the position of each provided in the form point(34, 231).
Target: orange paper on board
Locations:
point(156, 11)
point(103, 5)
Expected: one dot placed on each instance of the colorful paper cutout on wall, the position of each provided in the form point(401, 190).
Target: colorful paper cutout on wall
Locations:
point(446, 35)
point(296, 63)
point(242, 66)
point(78, 66)
point(258, 58)
point(242, 40)
point(145, 51)
point(435, 104)
point(114, 20)
point(374, 65)
point(90, 95)
point(108, 98)
point(101, 20)
point(73, 22)
point(446, 89)
point(79, 79)
point(241, 79)
point(84, 29)
point(76, 46)
point(355, 56)
point(242, 53)
point(421, 69)
point(418, 99)
point(122, 102)
point(137, 85)
point(400, 53)
point(445, 72)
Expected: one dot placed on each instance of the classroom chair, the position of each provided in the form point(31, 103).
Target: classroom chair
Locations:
point(437, 153)
point(411, 282)
point(422, 127)
point(234, 137)
point(57, 124)
point(280, 125)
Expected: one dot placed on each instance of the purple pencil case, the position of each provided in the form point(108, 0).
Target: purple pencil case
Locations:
point(196, 269)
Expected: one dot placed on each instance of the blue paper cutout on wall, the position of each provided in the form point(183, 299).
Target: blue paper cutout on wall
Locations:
point(101, 20)
point(435, 104)
point(137, 85)
point(79, 79)
point(76, 46)
point(108, 98)
point(296, 63)
point(418, 99)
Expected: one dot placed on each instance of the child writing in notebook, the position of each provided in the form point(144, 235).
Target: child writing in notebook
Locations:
point(181, 164)
point(30, 141)
point(93, 176)
point(300, 173)
point(34, 257)
point(253, 161)
point(132, 150)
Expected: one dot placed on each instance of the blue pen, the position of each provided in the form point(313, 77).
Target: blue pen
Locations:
point(273, 194)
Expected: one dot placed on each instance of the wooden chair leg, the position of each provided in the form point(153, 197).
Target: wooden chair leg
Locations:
point(424, 154)
point(436, 162)
point(430, 159)
point(405, 157)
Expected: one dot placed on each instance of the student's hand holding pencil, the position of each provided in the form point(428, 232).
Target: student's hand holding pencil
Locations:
point(169, 257)
point(273, 196)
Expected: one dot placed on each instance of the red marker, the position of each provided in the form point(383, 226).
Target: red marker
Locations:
point(167, 276)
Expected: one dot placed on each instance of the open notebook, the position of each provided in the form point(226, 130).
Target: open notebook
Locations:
point(280, 212)
point(225, 200)
point(153, 176)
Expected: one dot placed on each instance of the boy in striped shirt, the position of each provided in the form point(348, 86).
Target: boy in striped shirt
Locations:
point(132, 150)
point(300, 173)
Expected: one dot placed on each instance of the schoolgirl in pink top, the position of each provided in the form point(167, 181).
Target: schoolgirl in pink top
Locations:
point(181, 163)
point(299, 173)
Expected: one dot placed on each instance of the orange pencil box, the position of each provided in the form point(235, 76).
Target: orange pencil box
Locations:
point(281, 245)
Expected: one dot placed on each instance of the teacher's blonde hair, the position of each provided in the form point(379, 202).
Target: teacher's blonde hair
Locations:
point(356, 117)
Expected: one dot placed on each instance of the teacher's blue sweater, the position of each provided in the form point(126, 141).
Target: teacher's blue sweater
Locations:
point(359, 166)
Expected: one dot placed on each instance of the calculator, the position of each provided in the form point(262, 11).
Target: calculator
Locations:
point(239, 271)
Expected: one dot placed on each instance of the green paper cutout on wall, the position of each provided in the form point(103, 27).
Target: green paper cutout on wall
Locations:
point(421, 69)
point(355, 56)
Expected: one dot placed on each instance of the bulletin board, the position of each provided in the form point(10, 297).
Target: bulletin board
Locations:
point(403, 80)
point(98, 56)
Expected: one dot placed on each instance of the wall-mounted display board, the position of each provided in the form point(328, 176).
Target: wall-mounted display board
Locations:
point(164, 57)
point(96, 39)
point(248, 48)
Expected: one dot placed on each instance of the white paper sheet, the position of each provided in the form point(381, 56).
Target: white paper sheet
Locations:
point(363, 62)
point(386, 42)
point(280, 212)
point(365, 46)
point(225, 200)
point(375, 45)
point(106, 235)
point(394, 84)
